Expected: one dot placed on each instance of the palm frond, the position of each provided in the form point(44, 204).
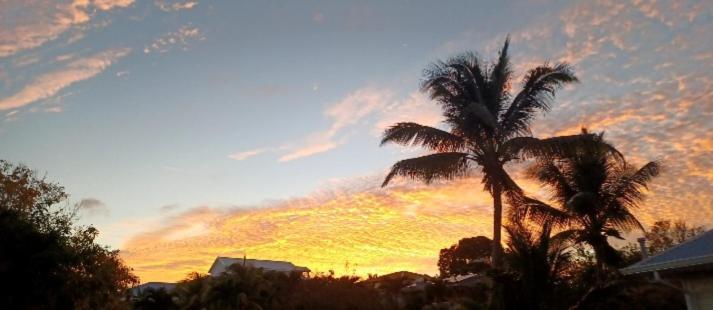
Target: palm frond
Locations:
point(537, 211)
point(459, 85)
point(539, 87)
point(500, 75)
point(562, 146)
point(627, 186)
point(623, 219)
point(447, 165)
point(429, 137)
point(548, 173)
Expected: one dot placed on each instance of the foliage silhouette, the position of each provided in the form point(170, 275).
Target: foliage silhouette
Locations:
point(469, 255)
point(46, 261)
point(594, 191)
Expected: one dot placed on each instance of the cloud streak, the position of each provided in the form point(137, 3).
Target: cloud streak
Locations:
point(365, 107)
point(246, 154)
point(49, 84)
point(43, 21)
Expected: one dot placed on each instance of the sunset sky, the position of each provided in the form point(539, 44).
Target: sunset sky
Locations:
point(185, 130)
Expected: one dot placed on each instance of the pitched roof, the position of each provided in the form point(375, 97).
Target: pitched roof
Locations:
point(695, 252)
point(136, 290)
point(221, 264)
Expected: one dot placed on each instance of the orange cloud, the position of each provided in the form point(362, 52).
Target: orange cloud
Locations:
point(43, 21)
point(49, 84)
point(371, 230)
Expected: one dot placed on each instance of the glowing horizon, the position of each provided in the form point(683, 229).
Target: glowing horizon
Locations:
point(188, 129)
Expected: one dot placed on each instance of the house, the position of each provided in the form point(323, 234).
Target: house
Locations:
point(468, 280)
point(221, 264)
point(688, 266)
point(399, 278)
point(137, 290)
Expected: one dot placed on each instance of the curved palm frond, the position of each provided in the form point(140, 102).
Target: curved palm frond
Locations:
point(627, 187)
point(561, 146)
point(567, 235)
point(547, 172)
point(538, 212)
point(539, 87)
point(619, 216)
point(501, 74)
point(460, 86)
point(447, 165)
point(415, 134)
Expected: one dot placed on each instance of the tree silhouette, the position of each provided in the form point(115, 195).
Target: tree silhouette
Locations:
point(469, 255)
point(46, 262)
point(593, 189)
point(535, 261)
point(483, 118)
point(663, 234)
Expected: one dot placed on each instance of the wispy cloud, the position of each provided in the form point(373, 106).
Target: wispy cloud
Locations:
point(49, 84)
point(314, 145)
point(375, 108)
point(43, 21)
point(246, 154)
point(350, 111)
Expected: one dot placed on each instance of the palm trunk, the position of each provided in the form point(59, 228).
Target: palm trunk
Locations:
point(497, 224)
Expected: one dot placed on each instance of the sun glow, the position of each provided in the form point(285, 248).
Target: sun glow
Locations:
point(375, 231)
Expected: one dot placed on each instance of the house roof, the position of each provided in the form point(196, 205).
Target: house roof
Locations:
point(136, 290)
point(221, 264)
point(695, 252)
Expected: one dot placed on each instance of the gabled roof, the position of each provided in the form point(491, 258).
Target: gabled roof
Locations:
point(221, 264)
point(695, 252)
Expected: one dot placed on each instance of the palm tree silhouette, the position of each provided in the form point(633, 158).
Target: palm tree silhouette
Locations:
point(483, 119)
point(594, 190)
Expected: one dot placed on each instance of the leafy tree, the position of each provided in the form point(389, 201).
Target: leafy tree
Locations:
point(46, 261)
point(593, 190)
point(469, 255)
point(483, 117)
point(664, 234)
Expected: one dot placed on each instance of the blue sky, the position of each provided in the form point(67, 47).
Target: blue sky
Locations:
point(152, 108)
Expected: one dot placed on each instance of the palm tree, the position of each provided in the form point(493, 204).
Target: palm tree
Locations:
point(483, 118)
point(535, 261)
point(593, 190)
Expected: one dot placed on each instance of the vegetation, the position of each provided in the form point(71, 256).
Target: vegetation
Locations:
point(594, 191)
point(469, 255)
point(249, 288)
point(485, 121)
point(664, 234)
point(45, 260)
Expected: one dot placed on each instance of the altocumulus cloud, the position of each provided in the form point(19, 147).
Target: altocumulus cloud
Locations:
point(375, 230)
